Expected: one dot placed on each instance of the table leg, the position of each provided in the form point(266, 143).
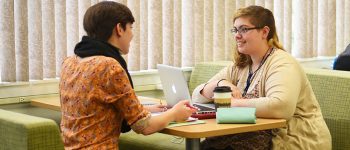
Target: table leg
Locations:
point(192, 144)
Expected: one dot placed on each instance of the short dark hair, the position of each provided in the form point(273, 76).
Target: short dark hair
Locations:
point(101, 18)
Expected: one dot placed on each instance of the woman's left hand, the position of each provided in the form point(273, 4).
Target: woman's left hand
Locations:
point(156, 108)
point(236, 93)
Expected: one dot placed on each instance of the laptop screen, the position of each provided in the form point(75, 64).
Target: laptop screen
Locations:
point(174, 84)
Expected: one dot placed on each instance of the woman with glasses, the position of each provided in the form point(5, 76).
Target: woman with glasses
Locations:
point(268, 78)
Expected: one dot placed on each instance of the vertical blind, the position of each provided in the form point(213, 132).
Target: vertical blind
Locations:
point(36, 35)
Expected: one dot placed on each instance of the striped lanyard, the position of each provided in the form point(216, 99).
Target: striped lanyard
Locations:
point(252, 74)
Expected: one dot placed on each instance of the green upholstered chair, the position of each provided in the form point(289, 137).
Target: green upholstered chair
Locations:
point(156, 141)
point(24, 132)
point(332, 90)
point(203, 71)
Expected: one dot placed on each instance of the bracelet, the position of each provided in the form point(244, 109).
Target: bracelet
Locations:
point(203, 88)
point(205, 85)
point(217, 84)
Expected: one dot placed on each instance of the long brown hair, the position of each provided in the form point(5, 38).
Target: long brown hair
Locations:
point(260, 17)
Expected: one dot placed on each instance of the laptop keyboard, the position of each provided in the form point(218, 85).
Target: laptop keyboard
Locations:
point(203, 108)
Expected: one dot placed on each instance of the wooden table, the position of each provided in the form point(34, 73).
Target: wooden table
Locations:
point(52, 102)
point(192, 133)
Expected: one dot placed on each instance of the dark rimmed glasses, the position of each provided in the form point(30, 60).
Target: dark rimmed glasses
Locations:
point(243, 30)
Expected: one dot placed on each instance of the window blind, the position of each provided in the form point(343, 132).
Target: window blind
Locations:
point(37, 35)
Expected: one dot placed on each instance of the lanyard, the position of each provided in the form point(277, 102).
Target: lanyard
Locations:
point(251, 74)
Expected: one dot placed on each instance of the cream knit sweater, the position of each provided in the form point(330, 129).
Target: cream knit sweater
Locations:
point(283, 92)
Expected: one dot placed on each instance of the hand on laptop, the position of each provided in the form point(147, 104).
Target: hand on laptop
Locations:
point(156, 108)
point(182, 111)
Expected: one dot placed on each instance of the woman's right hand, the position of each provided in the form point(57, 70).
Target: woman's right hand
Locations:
point(182, 111)
point(179, 113)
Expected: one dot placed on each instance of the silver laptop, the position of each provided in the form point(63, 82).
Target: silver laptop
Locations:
point(175, 87)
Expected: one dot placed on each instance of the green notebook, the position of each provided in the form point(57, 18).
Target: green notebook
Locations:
point(236, 115)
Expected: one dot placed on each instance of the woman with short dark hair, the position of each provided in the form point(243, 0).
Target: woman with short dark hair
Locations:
point(96, 89)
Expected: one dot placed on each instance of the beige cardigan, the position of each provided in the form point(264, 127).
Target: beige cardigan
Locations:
point(284, 92)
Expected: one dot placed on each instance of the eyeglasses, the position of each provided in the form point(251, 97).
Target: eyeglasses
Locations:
point(242, 30)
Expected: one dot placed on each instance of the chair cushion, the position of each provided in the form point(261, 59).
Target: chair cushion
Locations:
point(156, 141)
point(20, 131)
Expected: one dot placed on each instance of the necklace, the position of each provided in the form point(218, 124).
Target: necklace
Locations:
point(252, 74)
